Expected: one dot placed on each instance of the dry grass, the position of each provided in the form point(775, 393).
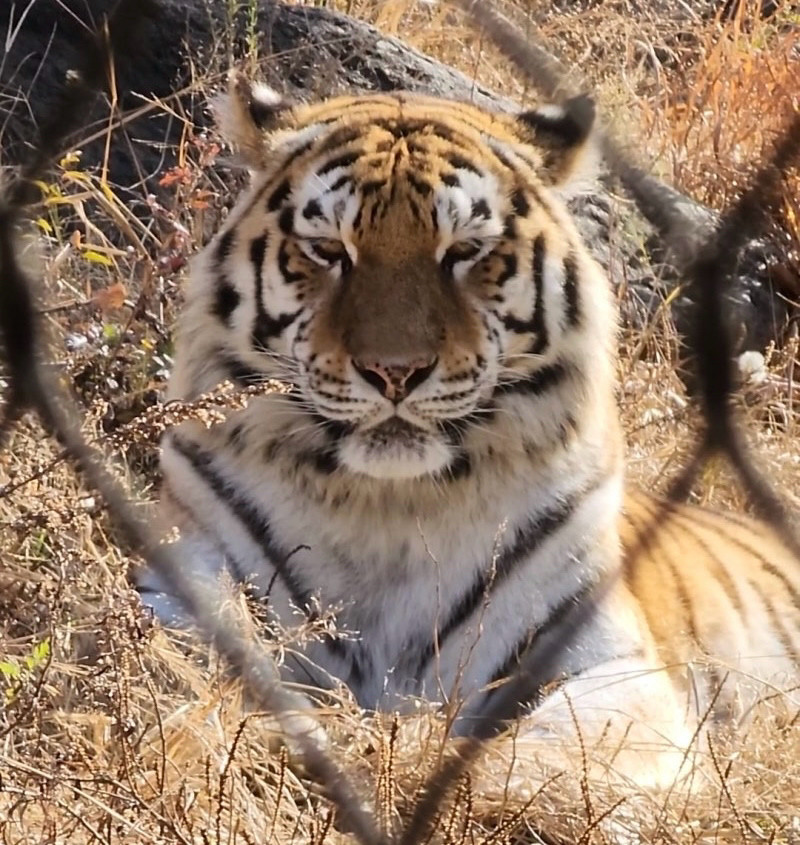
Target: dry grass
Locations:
point(110, 732)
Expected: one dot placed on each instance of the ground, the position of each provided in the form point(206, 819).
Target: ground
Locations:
point(110, 731)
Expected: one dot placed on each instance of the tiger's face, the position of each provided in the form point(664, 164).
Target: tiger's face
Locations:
point(408, 266)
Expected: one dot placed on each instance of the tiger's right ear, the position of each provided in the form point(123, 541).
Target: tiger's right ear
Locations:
point(246, 115)
point(564, 133)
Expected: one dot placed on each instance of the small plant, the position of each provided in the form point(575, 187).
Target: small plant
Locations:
point(234, 9)
point(16, 673)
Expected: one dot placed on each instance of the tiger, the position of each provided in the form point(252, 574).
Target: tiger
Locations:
point(445, 478)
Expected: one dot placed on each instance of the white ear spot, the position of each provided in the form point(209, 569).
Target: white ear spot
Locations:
point(246, 114)
point(266, 96)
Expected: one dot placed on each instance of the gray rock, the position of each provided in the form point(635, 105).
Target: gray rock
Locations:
point(314, 53)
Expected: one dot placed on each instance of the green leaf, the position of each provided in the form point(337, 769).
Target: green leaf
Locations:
point(97, 257)
point(41, 651)
point(10, 670)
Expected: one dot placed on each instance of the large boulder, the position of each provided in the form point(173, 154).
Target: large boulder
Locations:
point(316, 52)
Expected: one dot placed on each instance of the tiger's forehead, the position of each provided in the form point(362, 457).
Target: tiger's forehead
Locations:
point(380, 167)
point(378, 145)
point(411, 113)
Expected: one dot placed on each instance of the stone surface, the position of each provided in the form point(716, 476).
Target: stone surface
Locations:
point(314, 52)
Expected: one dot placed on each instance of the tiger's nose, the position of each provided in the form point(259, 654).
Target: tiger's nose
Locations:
point(396, 380)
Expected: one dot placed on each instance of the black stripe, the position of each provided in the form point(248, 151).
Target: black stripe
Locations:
point(419, 185)
point(773, 570)
point(527, 540)
point(312, 210)
point(340, 137)
point(339, 183)
point(535, 324)
point(480, 208)
point(226, 301)
point(459, 467)
point(777, 622)
point(537, 382)
point(324, 461)
point(456, 429)
point(665, 561)
point(344, 160)
point(520, 204)
point(539, 328)
point(721, 572)
point(266, 327)
point(255, 523)
point(511, 664)
point(237, 371)
point(380, 209)
point(708, 519)
point(556, 616)
point(286, 220)
point(528, 685)
point(335, 429)
point(541, 203)
point(289, 276)
point(461, 163)
point(661, 514)
point(234, 438)
point(405, 127)
point(510, 227)
point(366, 189)
point(258, 249)
point(226, 297)
point(258, 527)
point(224, 247)
point(680, 585)
point(293, 156)
point(503, 160)
point(573, 313)
point(510, 266)
point(279, 195)
point(514, 324)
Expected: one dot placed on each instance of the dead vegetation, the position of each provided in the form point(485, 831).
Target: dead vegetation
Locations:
point(110, 732)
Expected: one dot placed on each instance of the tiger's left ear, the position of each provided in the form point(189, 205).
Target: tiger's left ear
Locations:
point(563, 132)
point(246, 115)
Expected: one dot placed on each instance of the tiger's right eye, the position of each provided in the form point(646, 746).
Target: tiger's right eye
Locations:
point(327, 252)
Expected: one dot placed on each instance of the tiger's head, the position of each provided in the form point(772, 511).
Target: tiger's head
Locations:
point(405, 262)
